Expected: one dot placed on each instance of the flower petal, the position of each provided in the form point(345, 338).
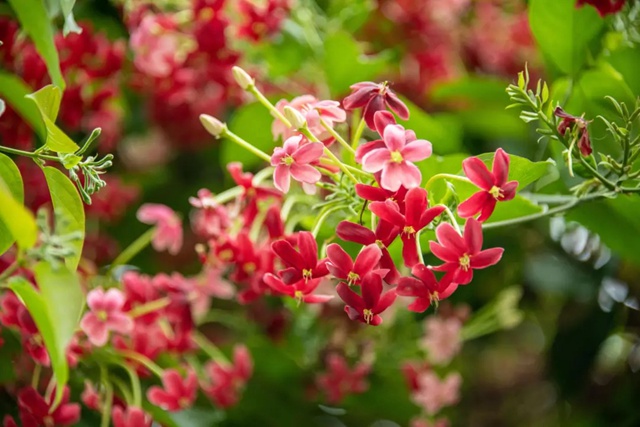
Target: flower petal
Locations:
point(444, 253)
point(477, 172)
point(474, 204)
point(409, 249)
point(376, 159)
point(282, 178)
point(415, 203)
point(308, 152)
point(382, 119)
point(508, 191)
point(417, 150)
point(450, 239)
point(388, 211)
point(392, 177)
point(411, 176)
point(278, 285)
point(396, 105)
point(473, 236)
point(289, 256)
point(352, 232)
point(486, 258)
point(340, 261)
point(500, 167)
point(349, 297)
point(394, 137)
point(367, 259)
point(371, 288)
point(308, 249)
point(305, 173)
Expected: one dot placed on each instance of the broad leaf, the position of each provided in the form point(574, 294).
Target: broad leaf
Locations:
point(68, 208)
point(14, 90)
point(522, 169)
point(33, 18)
point(10, 175)
point(563, 31)
point(252, 123)
point(19, 221)
point(47, 100)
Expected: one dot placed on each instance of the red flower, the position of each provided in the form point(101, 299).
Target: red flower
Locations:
point(251, 193)
point(584, 143)
point(340, 380)
point(604, 7)
point(301, 290)
point(90, 397)
point(132, 416)
point(228, 381)
point(415, 218)
point(494, 185)
point(374, 97)
point(384, 235)
point(35, 411)
point(462, 254)
point(426, 288)
point(106, 315)
point(168, 234)
point(343, 267)
point(366, 308)
point(177, 393)
point(303, 264)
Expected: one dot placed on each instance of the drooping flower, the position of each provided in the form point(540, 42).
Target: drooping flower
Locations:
point(106, 315)
point(342, 267)
point(226, 382)
point(168, 233)
point(340, 380)
point(461, 255)
point(442, 339)
point(567, 123)
point(293, 159)
point(426, 288)
point(604, 7)
point(303, 264)
point(493, 184)
point(36, 411)
point(176, 393)
point(131, 416)
point(313, 112)
point(395, 159)
point(367, 307)
point(434, 393)
point(416, 216)
point(300, 290)
point(374, 97)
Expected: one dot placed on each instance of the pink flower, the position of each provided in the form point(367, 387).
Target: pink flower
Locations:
point(395, 160)
point(342, 267)
point(168, 233)
point(494, 186)
point(434, 393)
point(313, 111)
point(293, 159)
point(131, 416)
point(426, 288)
point(442, 340)
point(155, 44)
point(462, 254)
point(106, 315)
point(226, 382)
point(90, 397)
point(374, 97)
point(177, 393)
point(340, 380)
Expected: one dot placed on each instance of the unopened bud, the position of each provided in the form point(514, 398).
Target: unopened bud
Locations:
point(212, 125)
point(295, 117)
point(243, 78)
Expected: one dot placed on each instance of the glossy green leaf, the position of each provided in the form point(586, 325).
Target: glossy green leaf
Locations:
point(345, 62)
point(34, 20)
point(47, 101)
point(68, 208)
point(443, 131)
point(14, 90)
point(10, 175)
point(522, 169)
point(252, 123)
point(70, 25)
point(564, 32)
point(19, 221)
point(627, 62)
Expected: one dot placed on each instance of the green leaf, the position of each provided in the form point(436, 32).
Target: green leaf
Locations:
point(252, 123)
point(443, 130)
point(19, 221)
point(14, 90)
point(627, 63)
point(70, 25)
point(10, 175)
point(345, 62)
point(521, 169)
point(68, 208)
point(564, 32)
point(47, 100)
point(473, 91)
point(33, 18)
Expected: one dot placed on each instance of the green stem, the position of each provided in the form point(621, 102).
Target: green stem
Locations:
point(123, 389)
point(229, 194)
point(452, 219)
point(135, 386)
point(246, 145)
point(264, 101)
point(144, 361)
point(436, 177)
point(262, 175)
point(149, 307)
point(357, 134)
point(35, 377)
point(337, 136)
point(28, 154)
point(208, 347)
point(362, 173)
point(133, 249)
point(322, 218)
point(108, 400)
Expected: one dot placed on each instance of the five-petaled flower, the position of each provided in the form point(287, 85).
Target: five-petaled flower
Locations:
point(462, 254)
point(344, 268)
point(314, 112)
point(493, 184)
point(300, 265)
point(367, 307)
point(374, 97)
point(416, 217)
point(395, 159)
point(106, 315)
point(36, 411)
point(176, 393)
point(226, 382)
point(293, 159)
point(567, 122)
point(426, 288)
point(168, 234)
point(300, 290)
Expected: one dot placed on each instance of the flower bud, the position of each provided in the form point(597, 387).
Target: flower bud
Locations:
point(212, 125)
point(243, 78)
point(295, 117)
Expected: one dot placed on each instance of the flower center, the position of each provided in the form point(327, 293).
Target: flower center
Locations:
point(206, 14)
point(48, 421)
point(287, 160)
point(225, 255)
point(102, 315)
point(380, 244)
point(298, 295)
point(496, 192)
point(249, 267)
point(184, 402)
point(352, 278)
point(465, 262)
point(409, 230)
point(251, 192)
point(368, 315)
point(396, 157)
point(307, 274)
point(435, 298)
